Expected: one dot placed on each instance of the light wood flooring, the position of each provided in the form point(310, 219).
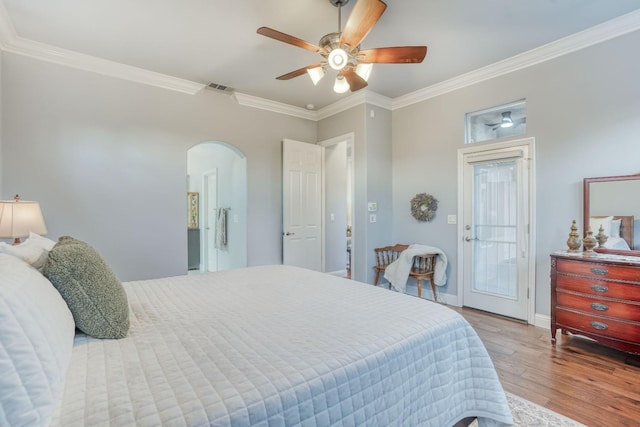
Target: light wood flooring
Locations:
point(578, 378)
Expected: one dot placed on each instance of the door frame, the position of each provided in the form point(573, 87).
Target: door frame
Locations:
point(478, 149)
point(350, 139)
point(206, 230)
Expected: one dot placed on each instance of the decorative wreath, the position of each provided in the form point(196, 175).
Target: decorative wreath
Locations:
point(424, 207)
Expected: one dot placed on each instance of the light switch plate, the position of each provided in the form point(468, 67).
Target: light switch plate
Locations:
point(372, 206)
point(452, 219)
point(372, 218)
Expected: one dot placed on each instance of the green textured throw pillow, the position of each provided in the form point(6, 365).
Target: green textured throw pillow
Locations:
point(90, 288)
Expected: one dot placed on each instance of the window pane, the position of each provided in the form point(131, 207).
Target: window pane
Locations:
point(497, 122)
point(495, 222)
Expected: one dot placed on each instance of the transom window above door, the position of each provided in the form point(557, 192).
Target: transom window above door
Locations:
point(496, 122)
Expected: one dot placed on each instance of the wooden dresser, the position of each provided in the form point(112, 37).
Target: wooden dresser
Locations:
point(598, 297)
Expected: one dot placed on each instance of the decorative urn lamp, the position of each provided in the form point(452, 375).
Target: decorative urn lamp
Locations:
point(20, 217)
point(589, 242)
point(601, 237)
point(574, 242)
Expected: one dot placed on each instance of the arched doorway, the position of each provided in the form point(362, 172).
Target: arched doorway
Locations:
point(217, 175)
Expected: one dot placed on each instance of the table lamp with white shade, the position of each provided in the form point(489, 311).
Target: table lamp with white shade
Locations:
point(19, 217)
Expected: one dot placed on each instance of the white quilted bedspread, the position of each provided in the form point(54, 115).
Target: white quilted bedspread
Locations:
point(281, 346)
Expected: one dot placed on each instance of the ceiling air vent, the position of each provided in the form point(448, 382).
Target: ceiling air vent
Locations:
point(220, 88)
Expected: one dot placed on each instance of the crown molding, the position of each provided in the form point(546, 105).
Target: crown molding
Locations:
point(11, 42)
point(94, 64)
point(7, 30)
point(274, 106)
point(361, 97)
point(613, 28)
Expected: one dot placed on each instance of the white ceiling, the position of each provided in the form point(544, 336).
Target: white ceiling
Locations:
point(215, 41)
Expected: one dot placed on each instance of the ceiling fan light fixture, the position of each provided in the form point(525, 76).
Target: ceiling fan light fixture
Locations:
point(316, 74)
point(341, 85)
point(507, 122)
point(364, 71)
point(338, 58)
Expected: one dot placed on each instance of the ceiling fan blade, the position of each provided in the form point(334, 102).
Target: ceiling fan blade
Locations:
point(393, 55)
point(355, 81)
point(298, 72)
point(286, 38)
point(364, 16)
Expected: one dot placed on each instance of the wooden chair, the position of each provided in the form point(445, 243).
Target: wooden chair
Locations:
point(384, 257)
point(421, 269)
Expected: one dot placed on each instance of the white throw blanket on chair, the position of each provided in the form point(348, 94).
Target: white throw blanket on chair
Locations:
point(397, 273)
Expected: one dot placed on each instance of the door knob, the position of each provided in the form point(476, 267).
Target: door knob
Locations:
point(288, 233)
point(468, 239)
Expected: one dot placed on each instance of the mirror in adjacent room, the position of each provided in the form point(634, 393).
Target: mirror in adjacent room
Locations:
point(611, 201)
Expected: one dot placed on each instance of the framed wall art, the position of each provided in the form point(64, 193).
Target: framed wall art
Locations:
point(192, 206)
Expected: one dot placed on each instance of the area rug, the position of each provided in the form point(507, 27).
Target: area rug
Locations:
point(528, 414)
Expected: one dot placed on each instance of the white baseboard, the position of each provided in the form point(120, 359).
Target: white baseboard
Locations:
point(540, 320)
point(448, 299)
point(341, 273)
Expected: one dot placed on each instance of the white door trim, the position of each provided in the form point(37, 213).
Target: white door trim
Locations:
point(479, 149)
point(350, 138)
point(205, 232)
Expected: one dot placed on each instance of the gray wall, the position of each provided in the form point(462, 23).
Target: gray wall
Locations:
point(372, 178)
point(1, 133)
point(583, 111)
point(107, 159)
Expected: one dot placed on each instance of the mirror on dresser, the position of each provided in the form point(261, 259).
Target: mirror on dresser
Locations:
point(613, 202)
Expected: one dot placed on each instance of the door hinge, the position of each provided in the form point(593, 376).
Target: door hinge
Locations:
point(527, 293)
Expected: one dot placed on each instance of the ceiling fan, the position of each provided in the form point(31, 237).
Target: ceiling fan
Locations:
point(506, 121)
point(341, 50)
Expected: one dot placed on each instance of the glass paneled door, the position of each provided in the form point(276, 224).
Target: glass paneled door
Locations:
point(495, 235)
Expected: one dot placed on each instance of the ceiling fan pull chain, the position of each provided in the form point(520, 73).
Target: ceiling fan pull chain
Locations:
point(339, 18)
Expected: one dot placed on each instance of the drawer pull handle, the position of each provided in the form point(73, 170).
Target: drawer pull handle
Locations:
point(599, 326)
point(599, 307)
point(599, 288)
point(600, 271)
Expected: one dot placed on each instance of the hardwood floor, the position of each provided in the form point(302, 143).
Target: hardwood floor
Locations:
point(578, 378)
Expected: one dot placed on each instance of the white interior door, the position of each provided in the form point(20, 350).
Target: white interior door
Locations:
point(496, 222)
point(302, 204)
point(210, 206)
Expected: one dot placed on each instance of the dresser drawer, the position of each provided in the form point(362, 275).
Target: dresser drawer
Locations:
point(599, 306)
point(603, 271)
point(593, 286)
point(620, 329)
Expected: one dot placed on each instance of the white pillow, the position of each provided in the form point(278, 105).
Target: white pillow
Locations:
point(34, 250)
point(596, 221)
point(36, 339)
point(615, 227)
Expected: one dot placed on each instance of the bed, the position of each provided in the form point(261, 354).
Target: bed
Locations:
point(263, 346)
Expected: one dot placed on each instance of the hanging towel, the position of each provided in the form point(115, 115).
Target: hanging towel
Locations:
point(398, 271)
point(221, 229)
